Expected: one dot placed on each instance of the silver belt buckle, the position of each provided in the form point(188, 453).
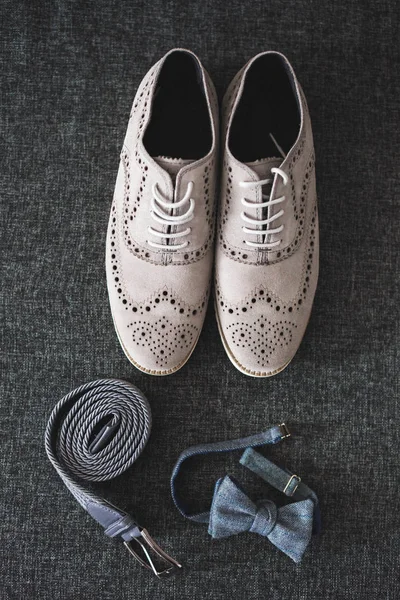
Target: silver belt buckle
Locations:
point(160, 563)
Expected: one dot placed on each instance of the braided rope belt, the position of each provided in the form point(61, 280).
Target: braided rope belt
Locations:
point(95, 433)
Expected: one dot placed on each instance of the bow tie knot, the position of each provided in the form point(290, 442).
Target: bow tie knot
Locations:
point(265, 518)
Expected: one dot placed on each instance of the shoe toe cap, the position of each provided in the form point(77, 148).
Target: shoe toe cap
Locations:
point(261, 345)
point(158, 345)
point(159, 334)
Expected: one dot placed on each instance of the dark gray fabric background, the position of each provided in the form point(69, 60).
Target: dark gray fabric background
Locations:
point(69, 74)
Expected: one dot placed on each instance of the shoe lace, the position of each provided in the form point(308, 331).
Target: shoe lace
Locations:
point(265, 204)
point(160, 210)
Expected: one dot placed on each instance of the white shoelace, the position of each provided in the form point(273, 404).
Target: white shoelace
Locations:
point(265, 204)
point(160, 212)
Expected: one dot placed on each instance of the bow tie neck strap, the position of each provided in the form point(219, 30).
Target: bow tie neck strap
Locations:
point(281, 479)
point(273, 435)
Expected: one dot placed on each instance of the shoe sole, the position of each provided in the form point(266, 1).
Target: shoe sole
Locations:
point(237, 364)
point(150, 371)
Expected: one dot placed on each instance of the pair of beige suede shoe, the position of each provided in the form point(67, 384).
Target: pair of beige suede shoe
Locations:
point(160, 241)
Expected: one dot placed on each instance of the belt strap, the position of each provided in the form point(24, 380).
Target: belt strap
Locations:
point(95, 433)
point(271, 436)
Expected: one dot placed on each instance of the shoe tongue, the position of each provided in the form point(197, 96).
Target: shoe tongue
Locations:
point(263, 166)
point(172, 165)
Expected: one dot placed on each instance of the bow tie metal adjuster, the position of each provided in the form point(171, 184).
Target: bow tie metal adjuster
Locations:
point(152, 557)
point(284, 430)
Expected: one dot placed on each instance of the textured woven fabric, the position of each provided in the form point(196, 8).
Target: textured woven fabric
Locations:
point(95, 433)
point(69, 71)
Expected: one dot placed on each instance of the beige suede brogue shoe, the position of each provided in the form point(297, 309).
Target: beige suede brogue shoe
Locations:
point(160, 235)
point(267, 249)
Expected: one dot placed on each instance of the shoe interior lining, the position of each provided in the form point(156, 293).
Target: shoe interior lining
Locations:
point(268, 106)
point(179, 125)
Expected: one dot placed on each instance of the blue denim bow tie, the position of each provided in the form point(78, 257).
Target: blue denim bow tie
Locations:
point(289, 527)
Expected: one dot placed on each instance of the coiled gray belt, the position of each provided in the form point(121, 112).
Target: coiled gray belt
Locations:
point(95, 433)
